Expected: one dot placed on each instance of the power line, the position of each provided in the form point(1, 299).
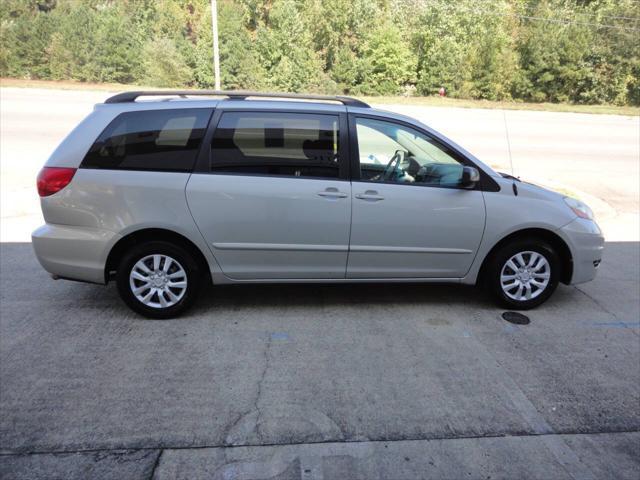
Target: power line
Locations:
point(556, 20)
point(617, 17)
point(569, 22)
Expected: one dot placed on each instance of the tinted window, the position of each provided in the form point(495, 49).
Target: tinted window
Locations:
point(393, 153)
point(150, 140)
point(302, 145)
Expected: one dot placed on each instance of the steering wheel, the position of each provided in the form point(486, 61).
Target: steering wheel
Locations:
point(392, 166)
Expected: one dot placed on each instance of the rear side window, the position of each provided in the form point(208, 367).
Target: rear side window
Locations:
point(284, 144)
point(165, 140)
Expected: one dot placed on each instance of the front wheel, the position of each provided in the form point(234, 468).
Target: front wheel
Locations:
point(158, 279)
point(523, 274)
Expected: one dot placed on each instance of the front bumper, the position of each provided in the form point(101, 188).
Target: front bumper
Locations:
point(587, 245)
point(76, 253)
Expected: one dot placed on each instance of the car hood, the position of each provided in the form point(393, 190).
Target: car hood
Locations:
point(532, 188)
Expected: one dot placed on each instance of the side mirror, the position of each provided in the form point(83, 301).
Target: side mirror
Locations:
point(470, 176)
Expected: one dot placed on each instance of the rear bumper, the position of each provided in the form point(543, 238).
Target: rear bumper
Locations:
point(76, 253)
point(587, 245)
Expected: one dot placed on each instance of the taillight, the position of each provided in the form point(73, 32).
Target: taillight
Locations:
point(54, 179)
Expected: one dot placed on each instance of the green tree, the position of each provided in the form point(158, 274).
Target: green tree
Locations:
point(583, 51)
point(614, 60)
point(388, 64)
point(553, 57)
point(340, 25)
point(117, 47)
point(285, 47)
point(240, 66)
point(348, 70)
point(71, 56)
point(26, 34)
point(492, 56)
point(164, 65)
point(442, 47)
point(466, 48)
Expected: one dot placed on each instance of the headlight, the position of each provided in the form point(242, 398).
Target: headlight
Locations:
point(581, 209)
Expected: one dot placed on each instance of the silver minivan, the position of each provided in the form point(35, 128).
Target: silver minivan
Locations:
point(167, 194)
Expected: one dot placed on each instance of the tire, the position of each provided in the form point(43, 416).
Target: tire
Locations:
point(159, 294)
point(536, 270)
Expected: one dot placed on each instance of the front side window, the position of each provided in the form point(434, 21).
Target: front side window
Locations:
point(164, 140)
point(285, 144)
point(392, 153)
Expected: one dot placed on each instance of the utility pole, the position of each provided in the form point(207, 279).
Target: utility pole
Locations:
point(216, 52)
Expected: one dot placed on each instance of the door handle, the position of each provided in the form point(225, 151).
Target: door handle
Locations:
point(370, 195)
point(332, 192)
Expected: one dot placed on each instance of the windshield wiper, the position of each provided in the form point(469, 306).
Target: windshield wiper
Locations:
point(510, 177)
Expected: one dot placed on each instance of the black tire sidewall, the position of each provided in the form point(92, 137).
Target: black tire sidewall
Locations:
point(505, 253)
point(176, 252)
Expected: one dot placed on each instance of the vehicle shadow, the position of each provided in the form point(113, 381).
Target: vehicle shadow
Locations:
point(20, 275)
point(295, 295)
point(621, 263)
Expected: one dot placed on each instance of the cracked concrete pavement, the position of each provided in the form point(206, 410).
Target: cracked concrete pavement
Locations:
point(319, 381)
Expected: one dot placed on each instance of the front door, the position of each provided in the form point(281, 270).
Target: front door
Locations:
point(276, 201)
point(411, 219)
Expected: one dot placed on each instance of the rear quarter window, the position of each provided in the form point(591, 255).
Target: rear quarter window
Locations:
point(162, 140)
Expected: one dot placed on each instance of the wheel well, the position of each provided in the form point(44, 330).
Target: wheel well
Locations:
point(553, 239)
point(152, 234)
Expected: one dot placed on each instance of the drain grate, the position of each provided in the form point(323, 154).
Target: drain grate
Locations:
point(517, 318)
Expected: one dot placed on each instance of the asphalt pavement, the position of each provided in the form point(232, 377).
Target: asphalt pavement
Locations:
point(324, 382)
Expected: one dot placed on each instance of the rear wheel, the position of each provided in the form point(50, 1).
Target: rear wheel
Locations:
point(158, 279)
point(523, 274)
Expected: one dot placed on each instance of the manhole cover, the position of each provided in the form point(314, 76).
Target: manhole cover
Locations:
point(515, 317)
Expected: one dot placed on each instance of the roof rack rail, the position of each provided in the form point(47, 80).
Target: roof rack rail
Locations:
point(125, 97)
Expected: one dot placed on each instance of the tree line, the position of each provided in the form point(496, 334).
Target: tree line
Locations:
point(578, 51)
